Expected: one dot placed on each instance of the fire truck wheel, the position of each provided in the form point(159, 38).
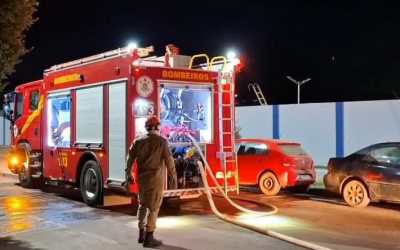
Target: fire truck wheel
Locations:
point(269, 184)
point(24, 176)
point(91, 183)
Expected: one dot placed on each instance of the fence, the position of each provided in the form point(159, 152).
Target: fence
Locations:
point(325, 129)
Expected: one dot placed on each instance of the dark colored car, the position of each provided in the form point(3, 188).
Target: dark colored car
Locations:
point(371, 174)
point(274, 164)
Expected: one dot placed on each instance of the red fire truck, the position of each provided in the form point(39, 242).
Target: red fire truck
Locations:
point(74, 126)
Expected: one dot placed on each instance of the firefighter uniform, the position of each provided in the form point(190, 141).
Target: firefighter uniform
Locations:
point(152, 155)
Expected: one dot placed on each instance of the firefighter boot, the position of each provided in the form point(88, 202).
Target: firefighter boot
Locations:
point(141, 236)
point(150, 241)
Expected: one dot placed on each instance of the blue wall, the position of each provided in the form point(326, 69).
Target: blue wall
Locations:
point(325, 129)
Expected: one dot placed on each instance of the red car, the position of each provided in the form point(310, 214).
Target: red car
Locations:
point(274, 164)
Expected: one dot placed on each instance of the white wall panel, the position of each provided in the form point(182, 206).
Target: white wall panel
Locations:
point(254, 121)
point(313, 125)
point(370, 122)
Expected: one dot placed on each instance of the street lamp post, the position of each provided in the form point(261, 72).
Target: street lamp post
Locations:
point(298, 83)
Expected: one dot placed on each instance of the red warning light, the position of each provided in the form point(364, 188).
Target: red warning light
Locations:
point(239, 64)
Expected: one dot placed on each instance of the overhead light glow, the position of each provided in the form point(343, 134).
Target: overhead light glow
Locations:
point(132, 45)
point(231, 55)
point(236, 61)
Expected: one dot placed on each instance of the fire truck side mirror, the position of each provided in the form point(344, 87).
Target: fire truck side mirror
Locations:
point(8, 112)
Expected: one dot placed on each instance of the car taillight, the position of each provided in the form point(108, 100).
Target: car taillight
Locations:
point(330, 167)
point(288, 162)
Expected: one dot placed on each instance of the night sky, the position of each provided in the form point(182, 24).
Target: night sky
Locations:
point(350, 50)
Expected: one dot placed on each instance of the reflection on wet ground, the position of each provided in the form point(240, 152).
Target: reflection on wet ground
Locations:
point(31, 210)
point(17, 210)
point(50, 216)
point(35, 210)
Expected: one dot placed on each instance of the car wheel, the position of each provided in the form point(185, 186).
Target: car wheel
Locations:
point(91, 183)
point(269, 184)
point(355, 194)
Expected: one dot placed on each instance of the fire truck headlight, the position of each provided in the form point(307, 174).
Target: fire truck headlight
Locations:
point(14, 160)
point(132, 45)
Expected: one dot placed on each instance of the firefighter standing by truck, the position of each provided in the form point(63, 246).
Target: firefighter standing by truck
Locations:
point(152, 155)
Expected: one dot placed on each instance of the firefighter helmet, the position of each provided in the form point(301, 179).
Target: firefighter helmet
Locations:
point(152, 123)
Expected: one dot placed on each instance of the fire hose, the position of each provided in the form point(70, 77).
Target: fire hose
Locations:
point(228, 219)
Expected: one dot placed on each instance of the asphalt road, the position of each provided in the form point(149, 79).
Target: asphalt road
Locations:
point(321, 217)
point(57, 219)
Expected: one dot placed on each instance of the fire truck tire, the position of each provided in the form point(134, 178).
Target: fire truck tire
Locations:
point(269, 184)
point(91, 183)
point(24, 177)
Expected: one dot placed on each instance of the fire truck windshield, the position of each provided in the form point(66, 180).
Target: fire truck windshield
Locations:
point(19, 105)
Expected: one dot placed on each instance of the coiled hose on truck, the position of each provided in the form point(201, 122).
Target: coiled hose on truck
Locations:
point(223, 217)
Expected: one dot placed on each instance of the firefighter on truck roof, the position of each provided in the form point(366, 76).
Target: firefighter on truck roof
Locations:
point(152, 155)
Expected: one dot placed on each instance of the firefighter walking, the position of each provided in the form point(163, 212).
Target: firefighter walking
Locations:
point(152, 155)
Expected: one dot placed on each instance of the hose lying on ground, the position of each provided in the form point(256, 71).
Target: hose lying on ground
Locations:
point(270, 233)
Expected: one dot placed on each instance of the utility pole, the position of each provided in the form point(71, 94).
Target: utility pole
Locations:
point(298, 83)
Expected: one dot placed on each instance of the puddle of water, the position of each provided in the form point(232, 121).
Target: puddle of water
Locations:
point(17, 210)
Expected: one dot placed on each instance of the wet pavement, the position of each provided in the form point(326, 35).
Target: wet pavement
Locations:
point(3, 162)
point(57, 219)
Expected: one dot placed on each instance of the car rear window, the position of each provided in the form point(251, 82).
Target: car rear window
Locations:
point(292, 149)
point(252, 149)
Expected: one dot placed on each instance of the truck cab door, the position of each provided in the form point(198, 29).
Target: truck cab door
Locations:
point(19, 116)
point(27, 116)
point(33, 122)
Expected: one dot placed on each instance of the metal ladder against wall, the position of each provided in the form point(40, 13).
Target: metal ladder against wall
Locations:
point(257, 90)
point(226, 130)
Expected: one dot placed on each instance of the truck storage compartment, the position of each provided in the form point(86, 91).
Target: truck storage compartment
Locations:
point(187, 169)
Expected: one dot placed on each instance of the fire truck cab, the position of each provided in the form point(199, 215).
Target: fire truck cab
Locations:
point(74, 127)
